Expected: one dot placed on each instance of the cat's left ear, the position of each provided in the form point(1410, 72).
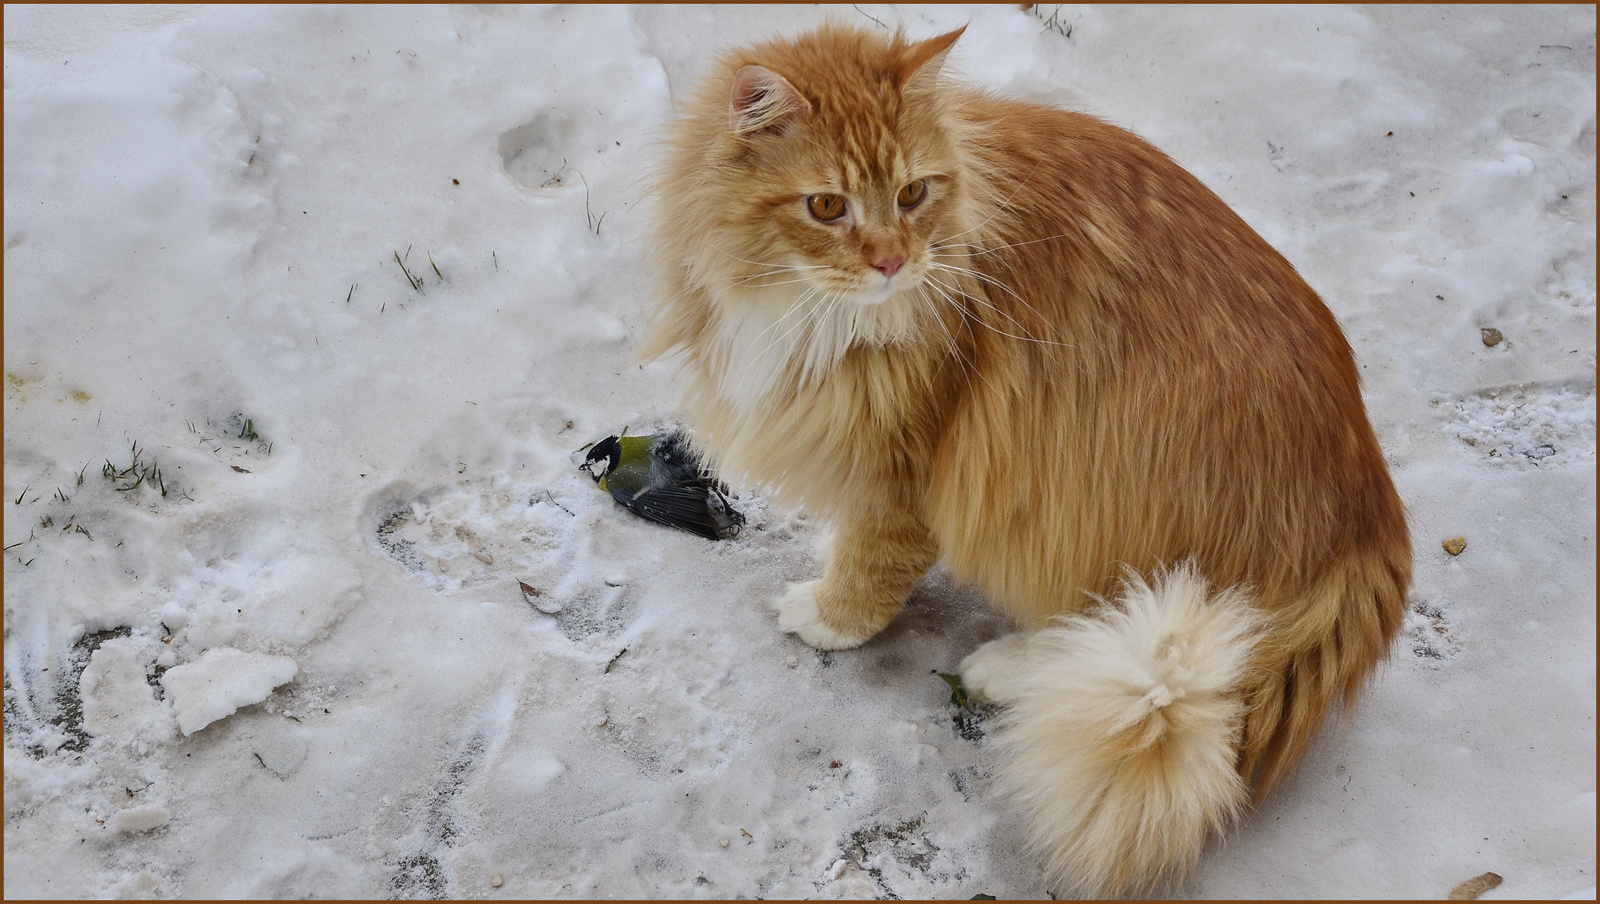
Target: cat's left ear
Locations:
point(762, 100)
point(924, 59)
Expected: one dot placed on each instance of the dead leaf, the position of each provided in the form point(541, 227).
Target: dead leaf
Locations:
point(538, 600)
point(1472, 888)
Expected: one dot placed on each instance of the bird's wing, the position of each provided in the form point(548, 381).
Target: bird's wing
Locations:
point(676, 506)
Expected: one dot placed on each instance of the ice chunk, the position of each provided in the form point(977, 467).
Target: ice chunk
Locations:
point(219, 682)
point(140, 819)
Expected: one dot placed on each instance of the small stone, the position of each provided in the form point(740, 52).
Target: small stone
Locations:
point(1491, 336)
point(1455, 545)
point(496, 881)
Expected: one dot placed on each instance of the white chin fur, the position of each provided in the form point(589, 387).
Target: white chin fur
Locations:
point(782, 336)
point(879, 293)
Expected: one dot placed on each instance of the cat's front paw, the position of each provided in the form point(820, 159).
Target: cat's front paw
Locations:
point(998, 670)
point(799, 614)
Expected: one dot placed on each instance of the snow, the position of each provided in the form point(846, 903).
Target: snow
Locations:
point(118, 701)
point(307, 310)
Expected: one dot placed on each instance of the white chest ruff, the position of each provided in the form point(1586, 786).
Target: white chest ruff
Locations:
point(770, 339)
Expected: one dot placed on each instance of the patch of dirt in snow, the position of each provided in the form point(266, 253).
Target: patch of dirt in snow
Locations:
point(452, 537)
point(1535, 425)
point(44, 712)
point(419, 871)
point(896, 847)
point(1430, 632)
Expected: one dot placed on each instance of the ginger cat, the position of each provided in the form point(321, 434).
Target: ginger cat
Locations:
point(1026, 343)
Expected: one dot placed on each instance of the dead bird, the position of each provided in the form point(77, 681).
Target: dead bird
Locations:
point(659, 477)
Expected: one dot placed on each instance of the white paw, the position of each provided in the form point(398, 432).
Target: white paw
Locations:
point(997, 671)
point(798, 615)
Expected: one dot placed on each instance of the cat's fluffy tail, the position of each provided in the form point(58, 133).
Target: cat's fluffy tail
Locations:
point(1122, 734)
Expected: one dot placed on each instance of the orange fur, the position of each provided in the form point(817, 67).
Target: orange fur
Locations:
point(1087, 364)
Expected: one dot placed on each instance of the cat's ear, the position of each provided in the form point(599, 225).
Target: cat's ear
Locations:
point(924, 59)
point(763, 99)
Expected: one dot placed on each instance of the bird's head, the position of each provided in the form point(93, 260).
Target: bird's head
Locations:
point(604, 456)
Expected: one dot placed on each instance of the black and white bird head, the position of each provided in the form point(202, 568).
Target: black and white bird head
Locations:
point(603, 458)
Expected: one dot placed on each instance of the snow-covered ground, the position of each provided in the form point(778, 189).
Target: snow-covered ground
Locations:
point(307, 309)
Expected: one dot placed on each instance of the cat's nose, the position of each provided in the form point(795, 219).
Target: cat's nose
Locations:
point(889, 265)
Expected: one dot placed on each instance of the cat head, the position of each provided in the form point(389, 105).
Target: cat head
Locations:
point(822, 164)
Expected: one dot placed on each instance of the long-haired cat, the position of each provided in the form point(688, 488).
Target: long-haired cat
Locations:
point(1026, 343)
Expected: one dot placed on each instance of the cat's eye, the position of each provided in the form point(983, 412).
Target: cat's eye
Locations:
point(825, 207)
point(912, 194)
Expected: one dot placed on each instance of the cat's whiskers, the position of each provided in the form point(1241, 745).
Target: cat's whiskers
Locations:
point(773, 268)
point(806, 320)
point(977, 297)
point(804, 307)
point(985, 278)
point(949, 293)
point(744, 362)
point(980, 275)
point(784, 266)
point(1002, 206)
point(968, 366)
point(965, 259)
point(752, 280)
point(829, 345)
point(998, 248)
